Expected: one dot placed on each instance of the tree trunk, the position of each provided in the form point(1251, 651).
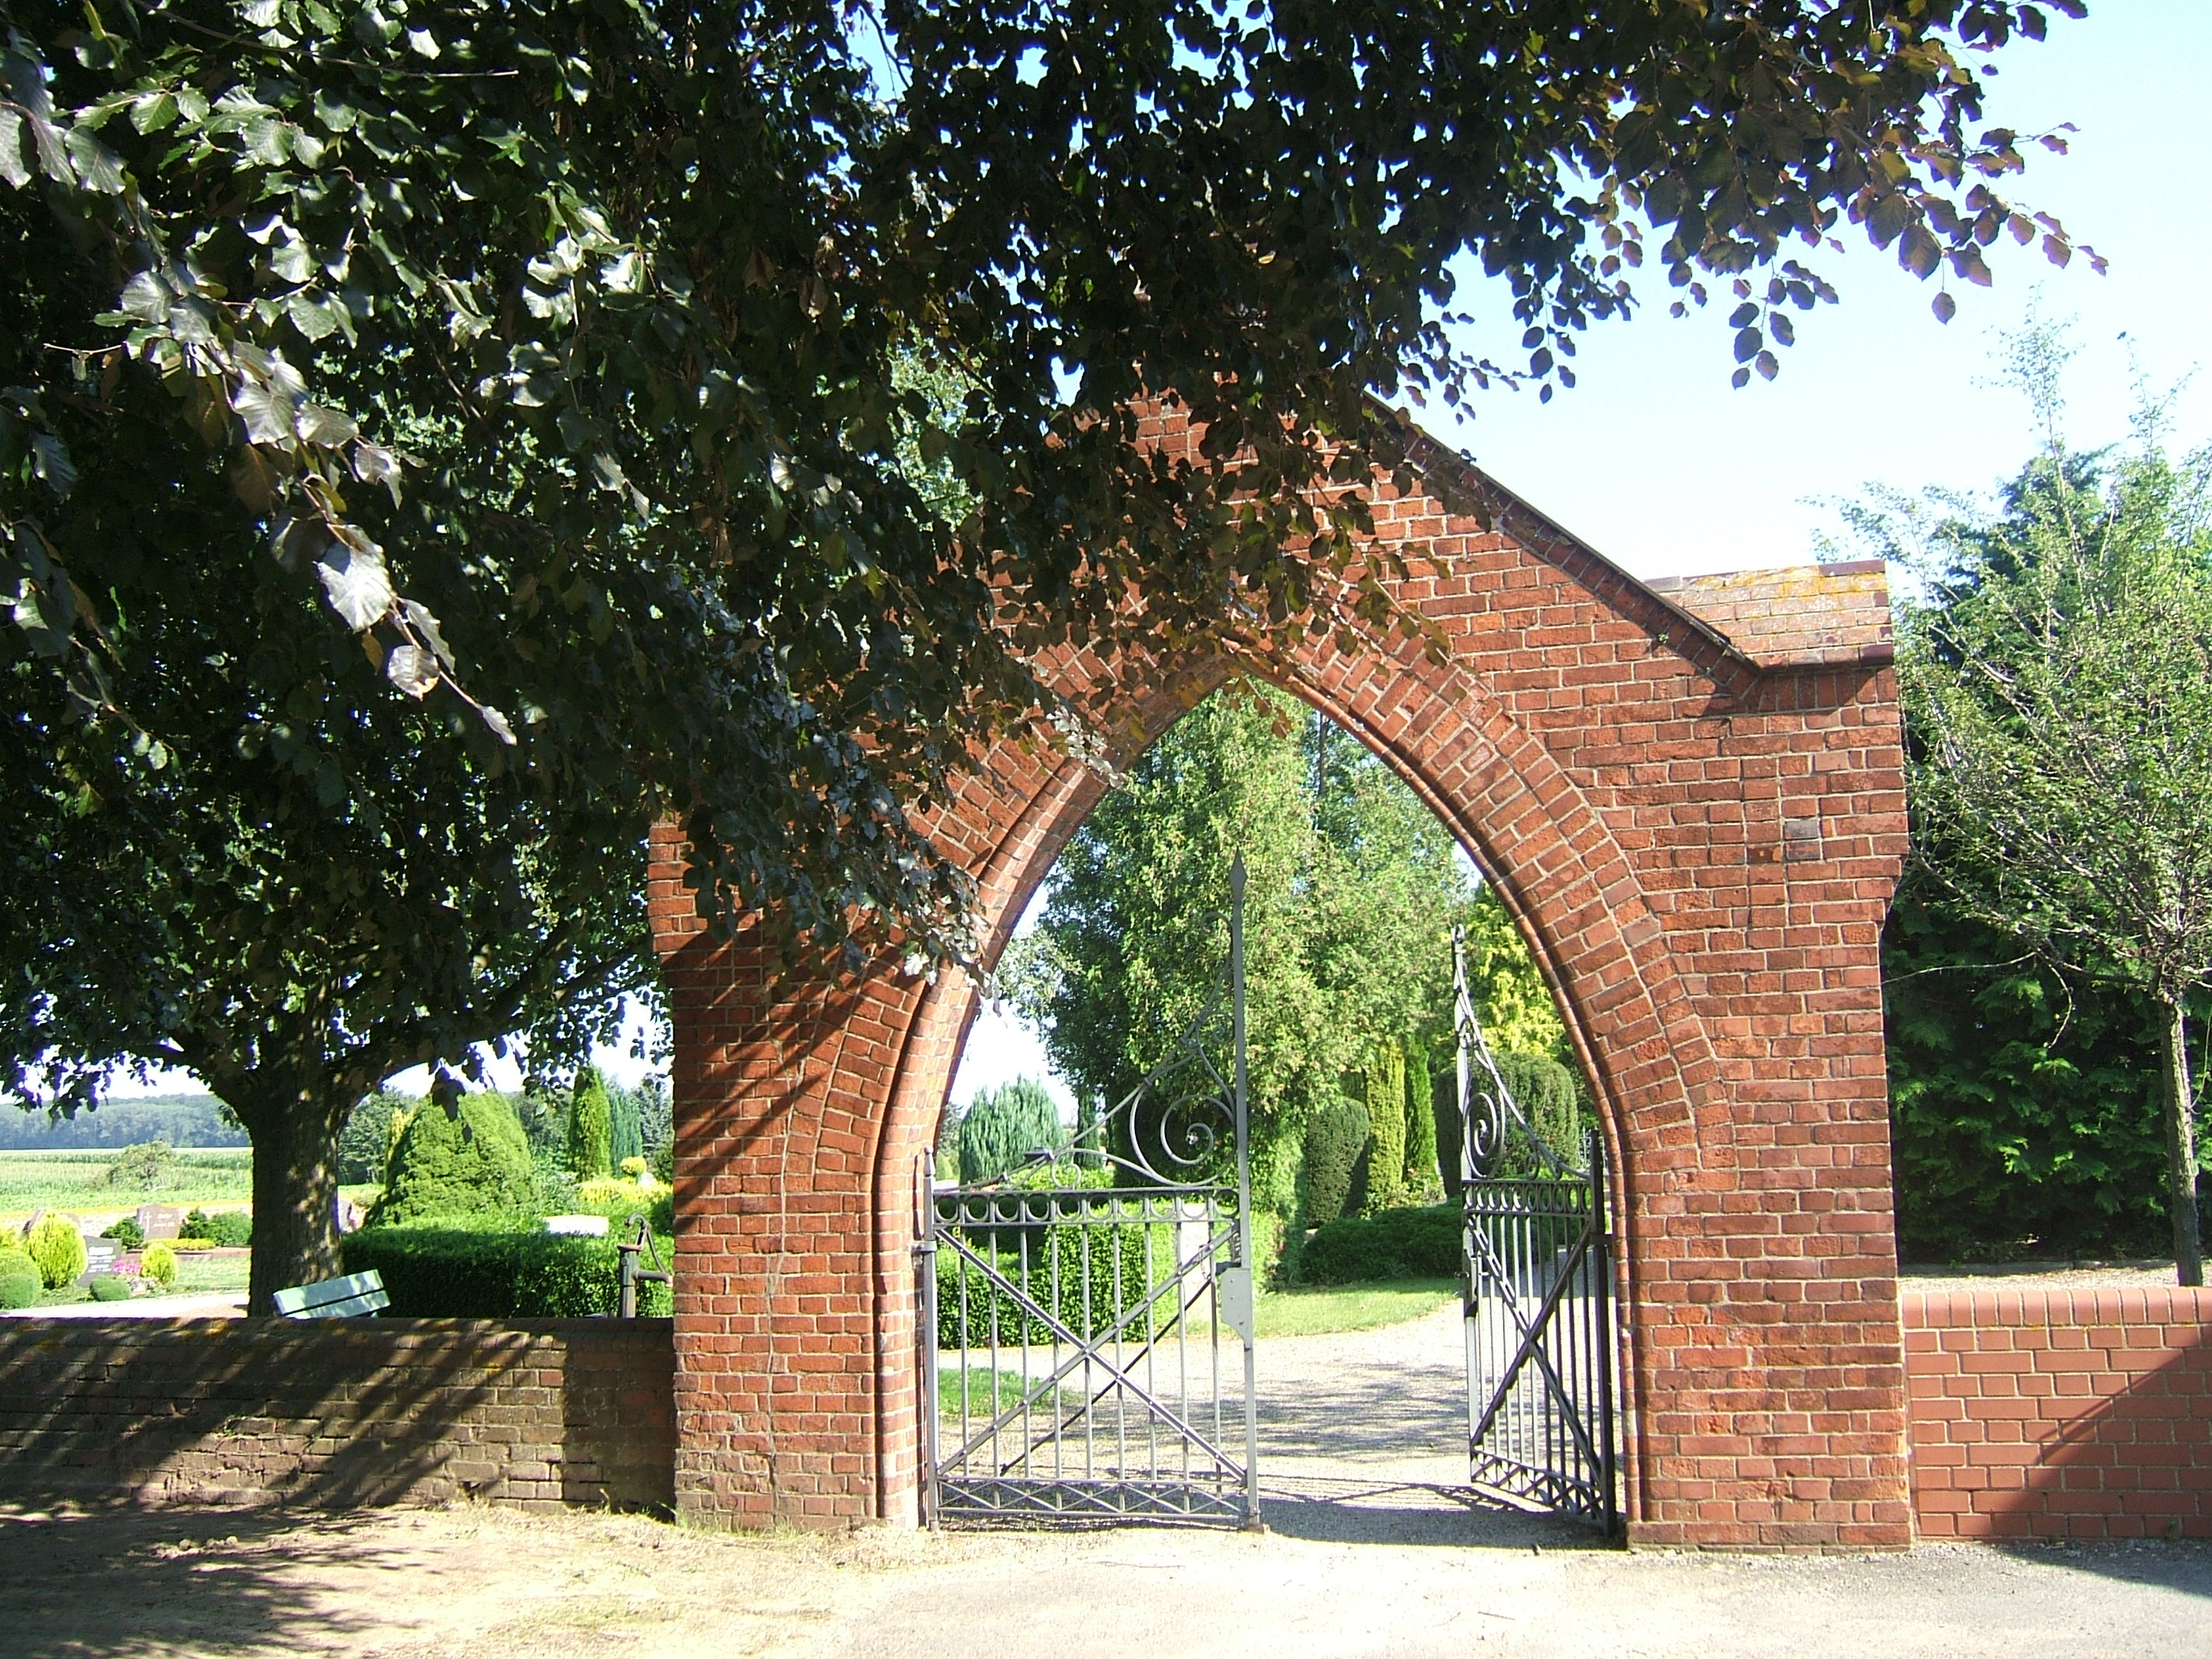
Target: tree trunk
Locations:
point(295, 1190)
point(2181, 1144)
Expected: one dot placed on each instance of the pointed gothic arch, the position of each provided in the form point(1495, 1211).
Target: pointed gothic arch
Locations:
point(1690, 796)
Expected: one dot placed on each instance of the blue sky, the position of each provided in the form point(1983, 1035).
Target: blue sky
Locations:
point(1654, 460)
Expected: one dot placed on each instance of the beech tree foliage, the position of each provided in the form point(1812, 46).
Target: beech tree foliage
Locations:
point(440, 438)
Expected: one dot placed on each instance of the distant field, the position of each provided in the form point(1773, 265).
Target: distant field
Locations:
point(77, 1181)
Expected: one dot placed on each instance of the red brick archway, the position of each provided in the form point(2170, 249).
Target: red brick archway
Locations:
point(1689, 795)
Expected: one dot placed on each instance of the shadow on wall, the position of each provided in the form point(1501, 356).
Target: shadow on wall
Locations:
point(336, 1414)
point(2062, 1415)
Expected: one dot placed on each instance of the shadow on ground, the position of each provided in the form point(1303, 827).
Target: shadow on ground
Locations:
point(192, 1583)
point(1383, 1510)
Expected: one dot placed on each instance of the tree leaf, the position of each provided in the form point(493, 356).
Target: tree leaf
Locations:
point(13, 168)
point(330, 428)
point(412, 669)
point(359, 585)
point(266, 411)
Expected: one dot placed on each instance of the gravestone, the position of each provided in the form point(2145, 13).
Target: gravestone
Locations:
point(159, 1221)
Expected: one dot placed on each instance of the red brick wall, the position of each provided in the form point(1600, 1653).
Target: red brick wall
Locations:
point(1698, 833)
point(336, 1413)
point(2061, 1413)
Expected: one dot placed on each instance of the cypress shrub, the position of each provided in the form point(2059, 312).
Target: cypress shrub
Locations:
point(57, 1251)
point(948, 1144)
point(1336, 1134)
point(468, 1158)
point(1385, 1093)
point(1443, 1111)
point(1399, 1243)
point(15, 1260)
point(590, 1127)
point(20, 1290)
point(625, 1132)
point(1002, 1126)
point(453, 1272)
point(1422, 1176)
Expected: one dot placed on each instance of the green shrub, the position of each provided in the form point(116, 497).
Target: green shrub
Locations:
point(466, 1159)
point(450, 1270)
point(160, 1265)
point(14, 1260)
point(625, 1132)
point(230, 1229)
point(1545, 1093)
point(20, 1290)
point(366, 1142)
point(619, 1200)
point(1088, 1274)
point(1003, 1126)
point(590, 1127)
point(1402, 1243)
point(663, 1158)
point(110, 1287)
point(1384, 1088)
point(127, 1233)
point(1423, 1181)
point(55, 1246)
point(1336, 1134)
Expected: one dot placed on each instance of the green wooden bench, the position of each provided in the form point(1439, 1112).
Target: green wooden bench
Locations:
point(335, 1298)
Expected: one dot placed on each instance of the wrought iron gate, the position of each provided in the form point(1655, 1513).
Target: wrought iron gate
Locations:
point(1538, 1296)
point(1087, 1322)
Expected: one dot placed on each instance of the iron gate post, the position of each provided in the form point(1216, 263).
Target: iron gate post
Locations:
point(1248, 1326)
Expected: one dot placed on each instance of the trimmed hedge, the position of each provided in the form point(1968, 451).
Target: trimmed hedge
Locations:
point(435, 1270)
point(1090, 1275)
point(228, 1229)
point(1406, 1244)
point(109, 1287)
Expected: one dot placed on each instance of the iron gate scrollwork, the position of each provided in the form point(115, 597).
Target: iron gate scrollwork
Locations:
point(1537, 1295)
point(1086, 1323)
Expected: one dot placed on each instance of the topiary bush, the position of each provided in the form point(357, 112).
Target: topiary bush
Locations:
point(451, 1272)
point(160, 1265)
point(1421, 1243)
point(1336, 1134)
point(590, 1127)
point(20, 1290)
point(466, 1159)
point(14, 1260)
point(109, 1287)
point(58, 1249)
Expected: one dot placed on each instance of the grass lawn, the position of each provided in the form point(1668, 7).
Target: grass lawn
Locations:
point(1317, 1309)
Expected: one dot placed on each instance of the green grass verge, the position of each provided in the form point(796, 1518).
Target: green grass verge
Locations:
point(1320, 1310)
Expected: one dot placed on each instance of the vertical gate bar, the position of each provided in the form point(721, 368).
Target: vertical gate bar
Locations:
point(925, 1273)
point(1244, 1184)
point(1603, 1299)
